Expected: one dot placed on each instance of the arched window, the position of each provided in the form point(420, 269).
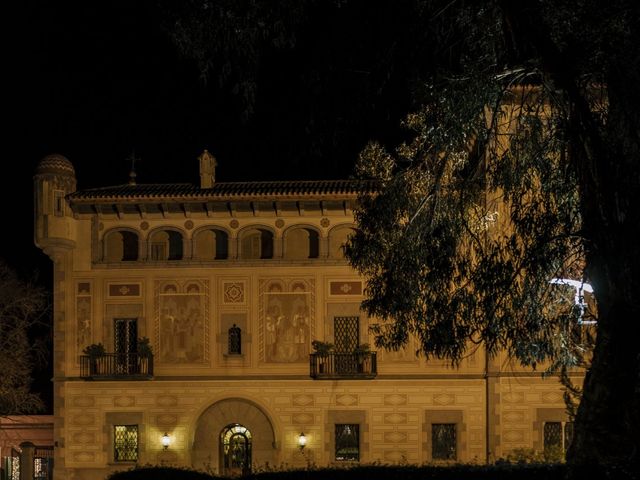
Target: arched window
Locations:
point(301, 243)
point(121, 246)
point(337, 240)
point(235, 340)
point(166, 245)
point(211, 244)
point(256, 243)
point(235, 441)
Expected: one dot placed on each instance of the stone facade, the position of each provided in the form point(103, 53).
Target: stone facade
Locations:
point(183, 266)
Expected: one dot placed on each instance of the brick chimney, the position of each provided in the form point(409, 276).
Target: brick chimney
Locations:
point(208, 166)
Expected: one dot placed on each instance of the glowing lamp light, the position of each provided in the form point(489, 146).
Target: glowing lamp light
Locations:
point(302, 441)
point(166, 441)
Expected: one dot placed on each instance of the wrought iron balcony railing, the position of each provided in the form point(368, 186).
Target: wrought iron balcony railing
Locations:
point(343, 365)
point(121, 366)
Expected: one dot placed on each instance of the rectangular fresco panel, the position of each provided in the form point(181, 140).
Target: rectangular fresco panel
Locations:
point(83, 316)
point(182, 321)
point(287, 308)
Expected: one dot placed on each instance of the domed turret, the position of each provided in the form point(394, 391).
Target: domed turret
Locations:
point(54, 179)
point(55, 164)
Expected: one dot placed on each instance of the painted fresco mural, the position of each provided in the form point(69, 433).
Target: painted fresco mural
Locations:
point(83, 316)
point(182, 321)
point(287, 313)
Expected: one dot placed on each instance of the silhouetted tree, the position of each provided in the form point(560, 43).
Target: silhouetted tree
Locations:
point(22, 308)
point(524, 166)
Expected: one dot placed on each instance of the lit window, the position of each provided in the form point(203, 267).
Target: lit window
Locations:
point(557, 438)
point(443, 441)
point(347, 442)
point(125, 443)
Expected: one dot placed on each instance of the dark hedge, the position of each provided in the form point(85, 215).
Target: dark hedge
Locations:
point(367, 472)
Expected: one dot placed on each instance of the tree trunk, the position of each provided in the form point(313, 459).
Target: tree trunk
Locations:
point(607, 428)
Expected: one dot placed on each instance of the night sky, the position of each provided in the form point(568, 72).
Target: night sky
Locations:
point(100, 81)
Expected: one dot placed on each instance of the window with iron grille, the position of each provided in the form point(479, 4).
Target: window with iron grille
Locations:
point(346, 333)
point(444, 441)
point(347, 442)
point(125, 443)
point(235, 340)
point(557, 436)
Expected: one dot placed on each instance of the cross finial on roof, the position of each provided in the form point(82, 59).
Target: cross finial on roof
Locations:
point(132, 174)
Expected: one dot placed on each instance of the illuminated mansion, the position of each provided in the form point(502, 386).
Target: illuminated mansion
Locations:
point(184, 318)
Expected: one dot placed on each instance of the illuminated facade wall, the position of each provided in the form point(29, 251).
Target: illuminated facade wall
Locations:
point(183, 268)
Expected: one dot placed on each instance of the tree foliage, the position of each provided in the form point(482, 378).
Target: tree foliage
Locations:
point(476, 214)
point(22, 307)
point(522, 167)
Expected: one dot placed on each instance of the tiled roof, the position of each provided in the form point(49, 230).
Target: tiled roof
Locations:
point(229, 190)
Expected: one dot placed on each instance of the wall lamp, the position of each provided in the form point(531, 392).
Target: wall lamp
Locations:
point(166, 441)
point(302, 441)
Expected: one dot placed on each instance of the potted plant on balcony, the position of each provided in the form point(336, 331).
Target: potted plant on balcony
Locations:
point(145, 354)
point(322, 351)
point(94, 352)
point(144, 348)
point(362, 351)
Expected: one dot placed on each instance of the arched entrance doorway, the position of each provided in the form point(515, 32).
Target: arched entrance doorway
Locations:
point(235, 450)
point(246, 429)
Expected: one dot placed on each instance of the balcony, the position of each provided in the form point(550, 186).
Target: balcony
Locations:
point(337, 366)
point(117, 366)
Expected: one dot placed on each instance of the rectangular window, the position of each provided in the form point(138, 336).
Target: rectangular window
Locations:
point(557, 437)
point(348, 442)
point(58, 203)
point(444, 441)
point(125, 443)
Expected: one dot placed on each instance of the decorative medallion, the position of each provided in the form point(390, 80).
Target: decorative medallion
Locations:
point(395, 418)
point(513, 416)
point(84, 457)
point(302, 400)
point(395, 456)
point(513, 397)
point(144, 225)
point(302, 418)
point(124, 289)
point(514, 436)
point(345, 288)
point(279, 223)
point(83, 419)
point(188, 224)
point(166, 419)
point(552, 397)
point(395, 437)
point(346, 399)
point(124, 401)
point(166, 400)
point(233, 292)
point(234, 223)
point(325, 222)
point(84, 437)
point(395, 399)
point(83, 401)
point(444, 399)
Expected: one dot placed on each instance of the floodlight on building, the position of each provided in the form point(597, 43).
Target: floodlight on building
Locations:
point(166, 441)
point(302, 441)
